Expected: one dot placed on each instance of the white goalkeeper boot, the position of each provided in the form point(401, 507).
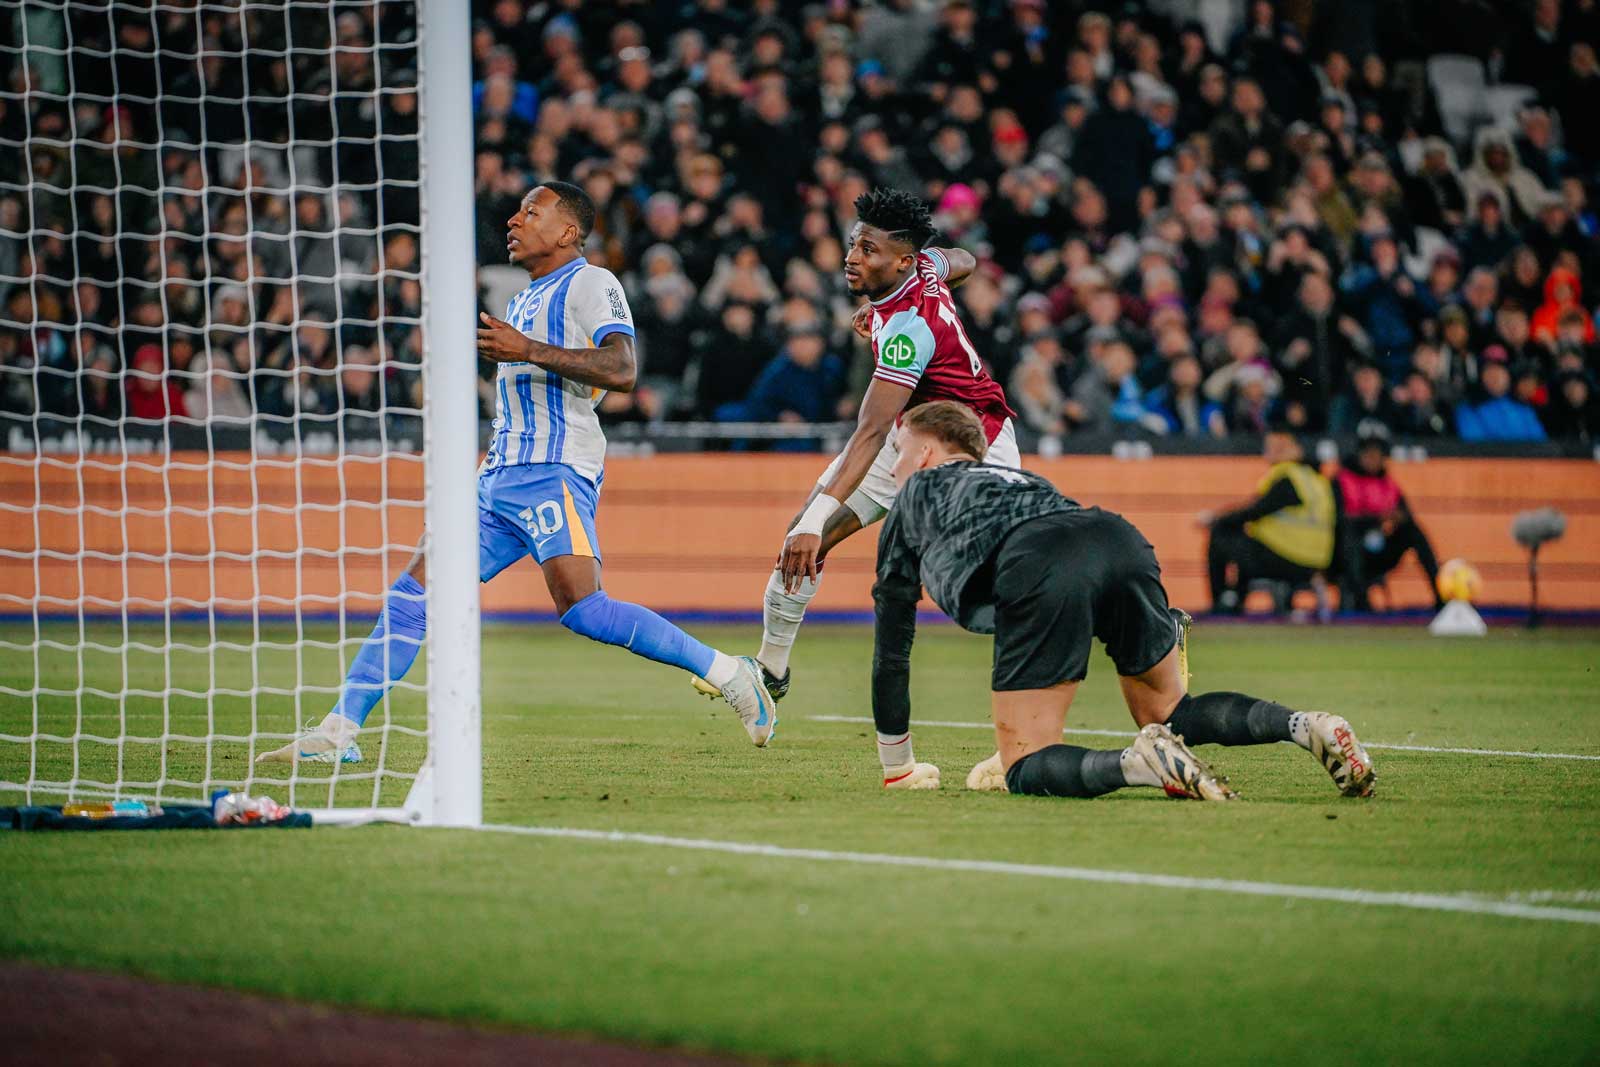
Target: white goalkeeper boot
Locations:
point(988, 776)
point(916, 776)
point(1182, 773)
point(332, 741)
point(1335, 744)
point(748, 696)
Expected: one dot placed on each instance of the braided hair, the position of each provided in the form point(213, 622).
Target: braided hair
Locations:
point(903, 216)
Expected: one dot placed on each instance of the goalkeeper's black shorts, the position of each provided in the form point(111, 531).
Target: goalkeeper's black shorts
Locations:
point(1063, 579)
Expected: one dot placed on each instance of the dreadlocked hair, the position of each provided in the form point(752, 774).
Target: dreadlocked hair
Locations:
point(901, 215)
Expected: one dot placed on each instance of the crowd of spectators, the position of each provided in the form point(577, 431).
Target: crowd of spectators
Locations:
point(216, 226)
point(1183, 229)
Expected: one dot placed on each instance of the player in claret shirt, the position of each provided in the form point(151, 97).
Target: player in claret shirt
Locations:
point(920, 354)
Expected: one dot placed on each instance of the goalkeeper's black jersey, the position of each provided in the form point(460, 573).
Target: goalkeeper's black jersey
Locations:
point(946, 525)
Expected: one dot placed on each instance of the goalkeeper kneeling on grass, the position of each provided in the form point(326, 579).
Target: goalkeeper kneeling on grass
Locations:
point(1002, 552)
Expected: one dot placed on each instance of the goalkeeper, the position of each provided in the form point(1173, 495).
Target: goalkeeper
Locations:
point(568, 341)
point(1002, 552)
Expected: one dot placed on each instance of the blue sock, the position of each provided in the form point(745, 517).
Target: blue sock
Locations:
point(390, 650)
point(639, 630)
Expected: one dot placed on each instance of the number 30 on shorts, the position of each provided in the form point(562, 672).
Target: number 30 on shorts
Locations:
point(546, 519)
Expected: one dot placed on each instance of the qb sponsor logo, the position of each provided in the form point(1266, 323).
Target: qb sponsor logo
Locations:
point(898, 352)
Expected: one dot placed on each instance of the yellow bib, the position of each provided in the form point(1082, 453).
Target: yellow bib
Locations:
point(1302, 534)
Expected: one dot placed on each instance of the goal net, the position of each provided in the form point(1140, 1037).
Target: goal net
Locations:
point(214, 399)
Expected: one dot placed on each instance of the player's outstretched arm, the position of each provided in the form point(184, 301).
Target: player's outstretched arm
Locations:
point(612, 365)
point(962, 264)
point(883, 402)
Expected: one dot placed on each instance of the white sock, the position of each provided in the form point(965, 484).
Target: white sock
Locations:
point(781, 615)
point(894, 751)
point(1137, 771)
point(1300, 729)
point(723, 668)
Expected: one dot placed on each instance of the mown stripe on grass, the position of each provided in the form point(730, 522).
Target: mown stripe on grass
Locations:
point(1126, 733)
point(1360, 897)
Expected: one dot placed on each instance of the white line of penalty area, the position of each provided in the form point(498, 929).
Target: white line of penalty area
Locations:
point(1364, 897)
point(1125, 733)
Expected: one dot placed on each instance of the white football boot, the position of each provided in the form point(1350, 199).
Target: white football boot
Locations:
point(1182, 773)
point(916, 776)
point(749, 697)
point(988, 776)
point(1335, 744)
point(331, 741)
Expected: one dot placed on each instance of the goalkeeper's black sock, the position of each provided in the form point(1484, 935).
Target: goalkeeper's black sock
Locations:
point(1235, 719)
point(1067, 771)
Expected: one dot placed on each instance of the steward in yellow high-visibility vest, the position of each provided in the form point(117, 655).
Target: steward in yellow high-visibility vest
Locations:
point(1285, 534)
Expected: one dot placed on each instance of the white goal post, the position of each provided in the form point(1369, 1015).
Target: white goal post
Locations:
point(238, 381)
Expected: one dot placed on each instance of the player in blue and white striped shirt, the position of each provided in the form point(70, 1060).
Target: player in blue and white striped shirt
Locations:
point(567, 340)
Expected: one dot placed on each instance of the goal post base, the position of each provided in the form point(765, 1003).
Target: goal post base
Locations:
point(363, 816)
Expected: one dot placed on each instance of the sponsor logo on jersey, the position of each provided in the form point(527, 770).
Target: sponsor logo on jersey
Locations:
point(618, 309)
point(898, 352)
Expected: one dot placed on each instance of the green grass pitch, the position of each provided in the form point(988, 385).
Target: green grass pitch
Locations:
point(845, 963)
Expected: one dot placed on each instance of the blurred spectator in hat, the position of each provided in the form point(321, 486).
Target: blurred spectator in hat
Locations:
point(1366, 400)
point(1434, 195)
point(1491, 413)
point(1376, 525)
point(1495, 170)
point(152, 395)
point(1573, 413)
point(1562, 292)
point(959, 216)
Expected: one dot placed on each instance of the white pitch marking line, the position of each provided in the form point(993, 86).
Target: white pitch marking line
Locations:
point(1124, 733)
point(1363, 897)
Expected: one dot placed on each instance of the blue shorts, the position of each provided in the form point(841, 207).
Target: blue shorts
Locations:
point(541, 510)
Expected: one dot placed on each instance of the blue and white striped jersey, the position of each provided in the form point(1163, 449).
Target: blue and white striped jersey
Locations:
point(540, 417)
